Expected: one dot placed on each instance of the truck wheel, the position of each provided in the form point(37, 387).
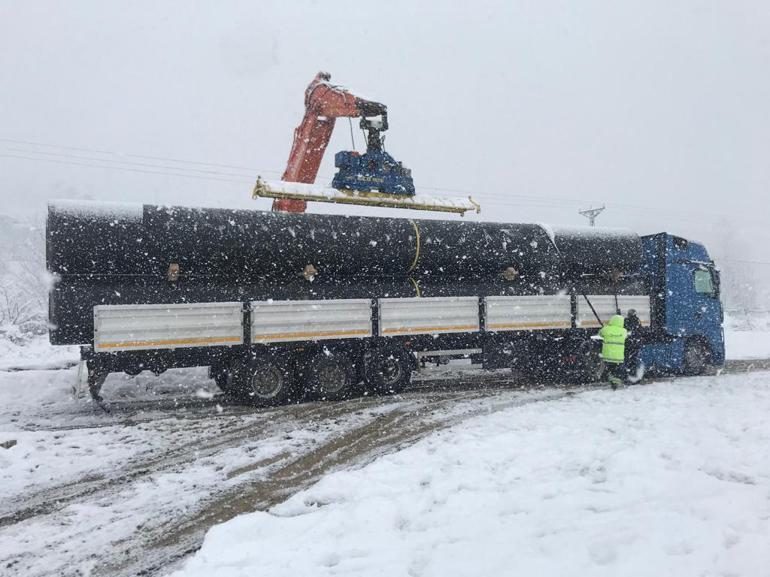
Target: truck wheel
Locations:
point(696, 358)
point(266, 380)
point(387, 372)
point(330, 377)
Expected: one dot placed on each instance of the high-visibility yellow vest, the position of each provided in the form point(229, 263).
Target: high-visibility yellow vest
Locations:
point(614, 336)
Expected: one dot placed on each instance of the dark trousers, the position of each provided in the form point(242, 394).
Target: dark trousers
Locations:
point(617, 372)
point(633, 348)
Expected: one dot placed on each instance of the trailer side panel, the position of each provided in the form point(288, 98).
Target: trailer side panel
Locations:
point(167, 326)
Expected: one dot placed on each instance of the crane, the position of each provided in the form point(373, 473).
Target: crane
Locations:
point(374, 178)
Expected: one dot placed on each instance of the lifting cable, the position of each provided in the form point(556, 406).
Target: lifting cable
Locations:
point(615, 293)
point(593, 310)
point(352, 138)
point(561, 257)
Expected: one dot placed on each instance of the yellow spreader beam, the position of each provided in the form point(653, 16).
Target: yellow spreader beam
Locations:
point(313, 193)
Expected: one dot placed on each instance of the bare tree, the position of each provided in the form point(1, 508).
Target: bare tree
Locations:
point(23, 284)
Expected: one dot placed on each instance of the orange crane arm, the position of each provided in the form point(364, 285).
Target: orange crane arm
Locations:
point(324, 103)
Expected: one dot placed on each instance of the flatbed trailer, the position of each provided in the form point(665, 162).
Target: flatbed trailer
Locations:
point(287, 307)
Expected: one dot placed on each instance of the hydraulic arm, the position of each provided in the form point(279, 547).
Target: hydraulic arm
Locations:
point(373, 178)
point(324, 103)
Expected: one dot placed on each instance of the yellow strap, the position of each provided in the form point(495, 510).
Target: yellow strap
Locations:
point(416, 248)
point(416, 285)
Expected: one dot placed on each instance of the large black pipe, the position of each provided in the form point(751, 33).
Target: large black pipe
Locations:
point(247, 246)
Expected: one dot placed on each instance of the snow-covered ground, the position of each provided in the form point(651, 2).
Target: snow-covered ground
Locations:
point(59, 437)
point(667, 479)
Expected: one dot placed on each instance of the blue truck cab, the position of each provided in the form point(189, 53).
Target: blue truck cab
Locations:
point(686, 333)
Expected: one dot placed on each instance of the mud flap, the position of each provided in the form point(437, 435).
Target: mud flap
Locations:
point(96, 379)
point(91, 380)
point(80, 385)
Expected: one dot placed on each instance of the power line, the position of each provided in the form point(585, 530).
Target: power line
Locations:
point(125, 169)
point(113, 153)
point(745, 261)
point(124, 162)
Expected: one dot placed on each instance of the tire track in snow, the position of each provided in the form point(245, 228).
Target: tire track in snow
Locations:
point(63, 546)
point(51, 499)
point(172, 541)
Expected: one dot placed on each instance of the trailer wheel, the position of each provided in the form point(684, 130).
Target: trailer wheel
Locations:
point(696, 358)
point(387, 372)
point(330, 377)
point(266, 380)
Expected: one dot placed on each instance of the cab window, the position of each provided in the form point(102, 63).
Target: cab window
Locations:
point(703, 282)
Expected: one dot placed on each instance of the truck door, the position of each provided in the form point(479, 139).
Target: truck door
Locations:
point(706, 312)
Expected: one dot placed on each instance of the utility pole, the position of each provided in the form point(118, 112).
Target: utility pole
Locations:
point(591, 214)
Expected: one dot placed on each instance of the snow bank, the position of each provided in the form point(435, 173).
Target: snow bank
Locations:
point(747, 336)
point(667, 479)
point(747, 344)
point(34, 353)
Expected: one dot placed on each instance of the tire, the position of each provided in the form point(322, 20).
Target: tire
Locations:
point(387, 372)
point(330, 377)
point(265, 381)
point(696, 358)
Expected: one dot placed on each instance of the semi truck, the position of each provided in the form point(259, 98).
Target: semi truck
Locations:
point(288, 306)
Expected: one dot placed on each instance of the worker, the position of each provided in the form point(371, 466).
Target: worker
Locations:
point(633, 345)
point(613, 349)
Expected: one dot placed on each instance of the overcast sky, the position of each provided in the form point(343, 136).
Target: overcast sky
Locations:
point(658, 109)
